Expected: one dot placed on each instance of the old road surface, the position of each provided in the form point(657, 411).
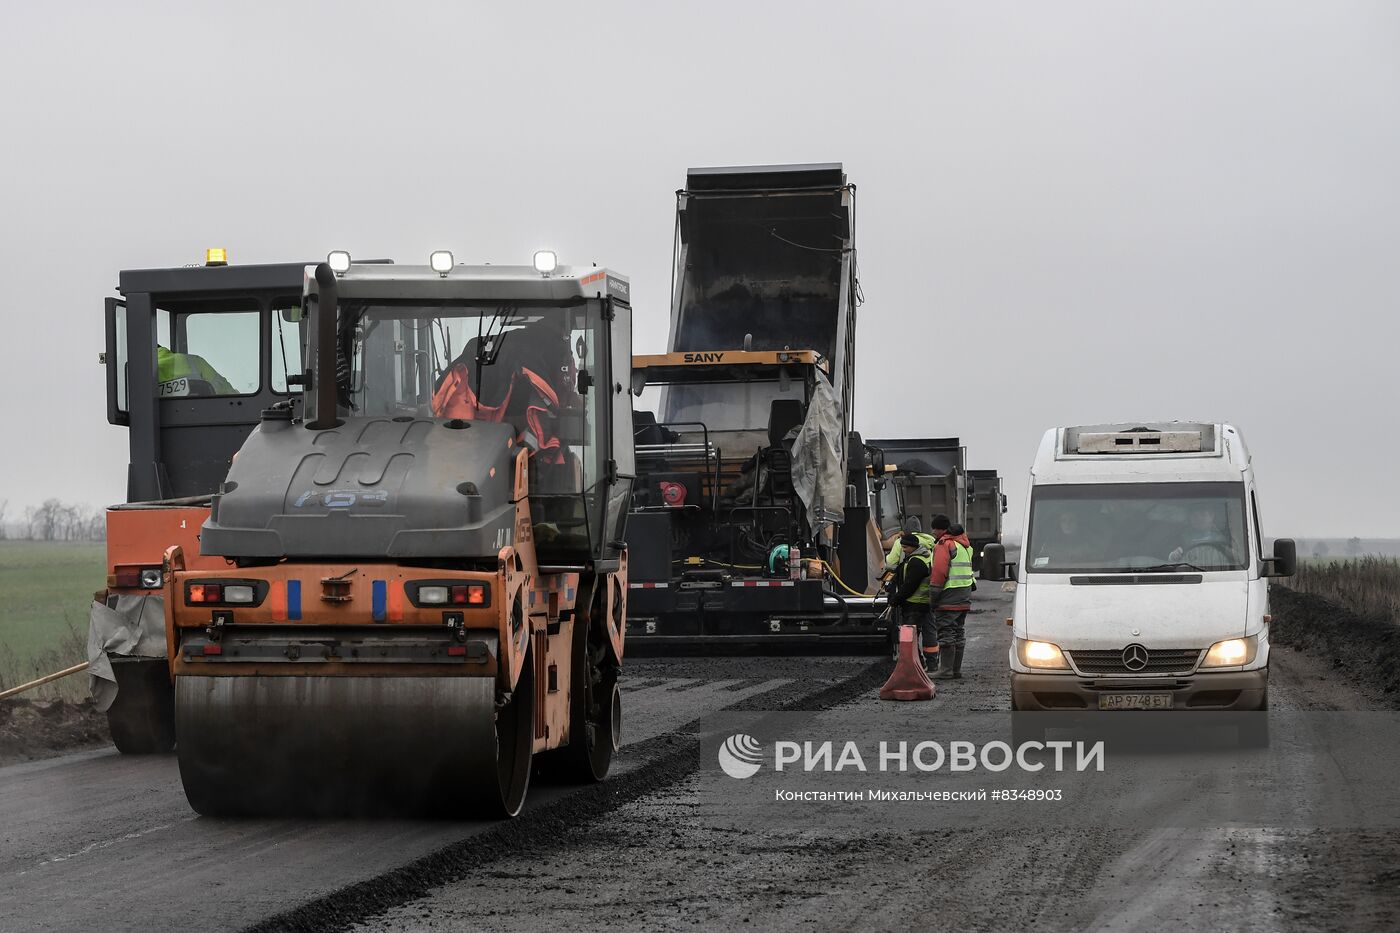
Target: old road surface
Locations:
point(96, 840)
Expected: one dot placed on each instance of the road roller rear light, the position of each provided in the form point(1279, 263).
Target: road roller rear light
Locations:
point(448, 593)
point(226, 593)
point(432, 595)
point(134, 576)
point(238, 593)
point(473, 594)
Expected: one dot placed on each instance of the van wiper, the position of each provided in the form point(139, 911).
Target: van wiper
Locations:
point(1163, 568)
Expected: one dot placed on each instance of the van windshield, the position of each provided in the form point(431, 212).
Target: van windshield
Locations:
point(1125, 527)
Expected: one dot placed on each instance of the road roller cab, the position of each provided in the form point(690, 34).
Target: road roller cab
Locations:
point(425, 575)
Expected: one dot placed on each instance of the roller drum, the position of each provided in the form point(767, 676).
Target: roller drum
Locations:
point(319, 745)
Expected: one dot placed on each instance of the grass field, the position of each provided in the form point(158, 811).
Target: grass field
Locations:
point(1368, 586)
point(45, 590)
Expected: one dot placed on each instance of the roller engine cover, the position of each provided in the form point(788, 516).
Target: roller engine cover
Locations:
point(367, 488)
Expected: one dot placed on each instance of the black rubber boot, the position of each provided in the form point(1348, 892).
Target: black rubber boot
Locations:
point(957, 662)
point(948, 663)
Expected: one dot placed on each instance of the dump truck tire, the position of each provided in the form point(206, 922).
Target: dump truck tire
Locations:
point(318, 745)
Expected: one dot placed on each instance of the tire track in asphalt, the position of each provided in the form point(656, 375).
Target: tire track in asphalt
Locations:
point(663, 760)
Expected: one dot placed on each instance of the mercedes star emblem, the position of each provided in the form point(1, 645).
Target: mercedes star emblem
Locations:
point(1135, 657)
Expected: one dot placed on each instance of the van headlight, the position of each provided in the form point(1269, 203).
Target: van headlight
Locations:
point(1041, 655)
point(1232, 652)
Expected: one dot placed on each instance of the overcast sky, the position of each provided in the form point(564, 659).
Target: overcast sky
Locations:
point(1091, 211)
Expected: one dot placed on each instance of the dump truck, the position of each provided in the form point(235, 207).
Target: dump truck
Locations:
point(422, 591)
point(192, 355)
point(928, 476)
point(986, 504)
point(750, 515)
point(925, 477)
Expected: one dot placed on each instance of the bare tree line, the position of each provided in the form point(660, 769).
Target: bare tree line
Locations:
point(54, 520)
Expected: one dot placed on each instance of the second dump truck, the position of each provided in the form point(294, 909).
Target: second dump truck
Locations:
point(926, 477)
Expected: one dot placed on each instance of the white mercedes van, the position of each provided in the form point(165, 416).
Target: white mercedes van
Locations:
point(1142, 583)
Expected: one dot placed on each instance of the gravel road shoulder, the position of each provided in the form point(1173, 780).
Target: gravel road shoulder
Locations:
point(35, 729)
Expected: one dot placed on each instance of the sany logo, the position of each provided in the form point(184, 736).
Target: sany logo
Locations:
point(739, 756)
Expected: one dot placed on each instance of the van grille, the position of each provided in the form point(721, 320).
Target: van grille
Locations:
point(1159, 661)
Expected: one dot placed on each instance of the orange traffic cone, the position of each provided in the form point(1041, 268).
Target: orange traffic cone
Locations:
point(908, 682)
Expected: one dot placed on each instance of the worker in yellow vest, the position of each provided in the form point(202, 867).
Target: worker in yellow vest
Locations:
point(910, 595)
point(950, 584)
point(183, 374)
point(896, 554)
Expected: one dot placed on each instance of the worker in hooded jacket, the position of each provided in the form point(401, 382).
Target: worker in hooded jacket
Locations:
point(896, 554)
point(950, 588)
point(910, 595)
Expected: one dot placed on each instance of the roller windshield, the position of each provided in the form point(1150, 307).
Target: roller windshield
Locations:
point(529, 365)
point(1142, 527)
point(461, 361)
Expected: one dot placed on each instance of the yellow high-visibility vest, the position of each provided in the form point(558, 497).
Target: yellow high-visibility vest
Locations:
point(960, 567)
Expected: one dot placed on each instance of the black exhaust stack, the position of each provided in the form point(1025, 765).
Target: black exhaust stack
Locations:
point(323, 337)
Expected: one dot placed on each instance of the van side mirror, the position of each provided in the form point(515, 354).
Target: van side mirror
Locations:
point(1284, 563)
point(995, 566)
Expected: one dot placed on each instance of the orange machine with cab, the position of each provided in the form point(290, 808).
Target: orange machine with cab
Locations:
point(410, 609)
point(193, 355)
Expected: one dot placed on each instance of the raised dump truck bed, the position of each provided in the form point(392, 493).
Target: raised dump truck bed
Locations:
point(750, 453)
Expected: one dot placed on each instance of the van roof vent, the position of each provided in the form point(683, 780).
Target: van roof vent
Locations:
point(1136, 441)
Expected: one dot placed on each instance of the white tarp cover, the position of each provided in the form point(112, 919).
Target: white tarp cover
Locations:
point(135, 628)
point(819, 459)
